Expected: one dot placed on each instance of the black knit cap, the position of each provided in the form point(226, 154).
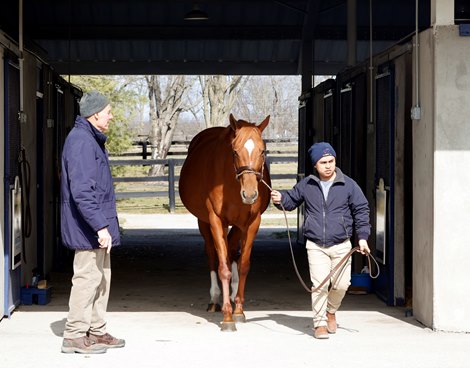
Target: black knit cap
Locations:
point(319, 150)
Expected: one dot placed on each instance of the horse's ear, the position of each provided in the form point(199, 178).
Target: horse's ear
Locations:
point(233, 122)
point(264, 123)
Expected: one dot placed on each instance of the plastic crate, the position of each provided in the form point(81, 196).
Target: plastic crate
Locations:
point(32, 295)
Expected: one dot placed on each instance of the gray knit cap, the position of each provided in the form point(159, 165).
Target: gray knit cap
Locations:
point(92, 103)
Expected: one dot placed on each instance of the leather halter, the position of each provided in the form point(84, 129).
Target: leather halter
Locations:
point(248, 169)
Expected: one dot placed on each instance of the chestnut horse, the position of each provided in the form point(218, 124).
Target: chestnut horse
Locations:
point(220, 185)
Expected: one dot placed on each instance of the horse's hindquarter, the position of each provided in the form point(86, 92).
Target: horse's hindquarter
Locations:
point(201, 180)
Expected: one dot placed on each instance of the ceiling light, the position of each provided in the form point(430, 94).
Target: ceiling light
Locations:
point(196, 14)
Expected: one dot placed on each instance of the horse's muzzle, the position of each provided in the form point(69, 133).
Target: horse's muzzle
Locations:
point(249, 199)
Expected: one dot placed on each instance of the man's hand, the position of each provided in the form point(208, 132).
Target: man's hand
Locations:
point(105, 239)
point(276, 197)
point(363, 247)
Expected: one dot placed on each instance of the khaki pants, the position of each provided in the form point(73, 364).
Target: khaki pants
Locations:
point(321, 261)
point(90, 293)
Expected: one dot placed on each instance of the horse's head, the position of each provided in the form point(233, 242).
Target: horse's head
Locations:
point(248, 156)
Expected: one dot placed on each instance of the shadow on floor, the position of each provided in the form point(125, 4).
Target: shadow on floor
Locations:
point(166, 271)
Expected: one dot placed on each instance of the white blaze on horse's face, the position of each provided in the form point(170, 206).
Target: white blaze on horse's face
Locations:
point(249, 183)
point(249, 146)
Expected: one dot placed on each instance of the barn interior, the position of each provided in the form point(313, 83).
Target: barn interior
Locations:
point(49, 40)
point(262, 37)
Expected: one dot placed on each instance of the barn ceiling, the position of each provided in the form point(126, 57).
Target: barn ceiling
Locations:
point(253, 37)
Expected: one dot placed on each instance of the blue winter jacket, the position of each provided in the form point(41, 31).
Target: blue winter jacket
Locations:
point(331, 222)
point(88, 202)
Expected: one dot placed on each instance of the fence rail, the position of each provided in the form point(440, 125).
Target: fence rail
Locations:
point(172, 179)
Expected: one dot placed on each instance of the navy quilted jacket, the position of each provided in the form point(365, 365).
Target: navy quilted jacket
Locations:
point(330, 222)
point(88, 202)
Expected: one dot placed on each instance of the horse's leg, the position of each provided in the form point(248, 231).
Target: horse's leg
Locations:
point(235, 280)
point(205, 230)
point(219, 235)
point(233, 246)
point(244, 267)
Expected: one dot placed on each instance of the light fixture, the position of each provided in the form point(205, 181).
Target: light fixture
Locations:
point(196, 14)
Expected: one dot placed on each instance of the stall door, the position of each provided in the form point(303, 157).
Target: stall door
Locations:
point(12, 198)
point(384, 180)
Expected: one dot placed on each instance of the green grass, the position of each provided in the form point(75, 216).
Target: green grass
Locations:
point(149, 205)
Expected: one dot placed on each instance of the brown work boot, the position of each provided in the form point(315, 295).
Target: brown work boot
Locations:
point(321, 333)
point(82, 345)
point(331, 323)
point(107, 341)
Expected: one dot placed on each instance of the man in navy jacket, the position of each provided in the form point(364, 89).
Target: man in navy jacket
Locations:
point(334, 203)
point(89, 226)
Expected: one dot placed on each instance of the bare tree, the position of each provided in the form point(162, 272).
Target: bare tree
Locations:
point(165, 95)
point(219, 93)
point(276, 96)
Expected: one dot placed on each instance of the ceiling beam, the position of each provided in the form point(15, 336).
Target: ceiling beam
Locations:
point(57, 32)
point(89, 32)
point(174, 67)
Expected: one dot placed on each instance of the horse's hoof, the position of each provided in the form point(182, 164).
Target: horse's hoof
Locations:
point(213, 307)
point(239, 318)
point(228, 327)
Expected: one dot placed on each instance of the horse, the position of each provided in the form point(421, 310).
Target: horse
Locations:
point(220, 185)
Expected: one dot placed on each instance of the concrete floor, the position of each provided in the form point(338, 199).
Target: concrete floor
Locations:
point(158, 299)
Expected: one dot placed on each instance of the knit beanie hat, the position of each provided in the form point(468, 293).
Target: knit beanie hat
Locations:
point(92, 103)
point(319, 150)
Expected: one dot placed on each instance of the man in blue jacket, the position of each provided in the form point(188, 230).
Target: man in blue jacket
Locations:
point(334, 203)
point(89, 226)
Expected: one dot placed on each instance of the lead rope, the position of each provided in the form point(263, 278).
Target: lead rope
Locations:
point(341, 264)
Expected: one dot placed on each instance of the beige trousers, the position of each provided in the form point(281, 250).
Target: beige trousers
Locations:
point(321, 261)
point(90, 293)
